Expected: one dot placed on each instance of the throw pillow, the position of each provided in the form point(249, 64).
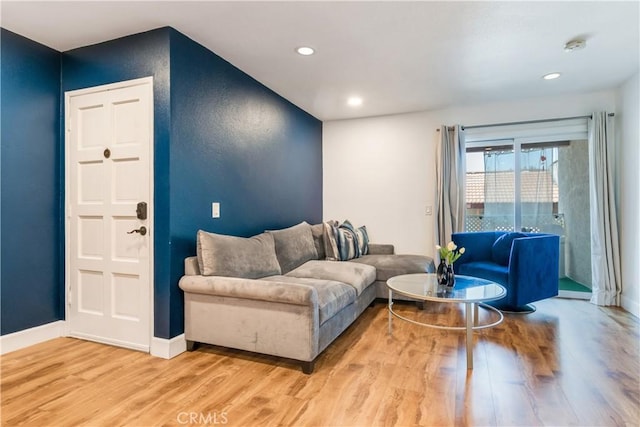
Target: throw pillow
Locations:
point(294, 246)
point(231, 256)
point(348, 241)
point(501, 249)
point(363, 240)
point(344, 242)
point(330, 238)
point(317, 231)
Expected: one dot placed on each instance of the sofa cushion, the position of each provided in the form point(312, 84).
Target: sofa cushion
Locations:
point(388, 266)
point(231, 256)
point(294, 246)
point(501, 249)
point(357, 275)
point(250, 289)
point(485, 270)
point(332, 296)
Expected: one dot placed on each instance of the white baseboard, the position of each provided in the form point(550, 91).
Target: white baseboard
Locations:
point(168, 349)
point(31, 336)
point(109, 341)
point(631, 306)
point(18, 340)
point(574, 294)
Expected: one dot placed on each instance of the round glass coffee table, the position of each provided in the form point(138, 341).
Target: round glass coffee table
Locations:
point(470, 291)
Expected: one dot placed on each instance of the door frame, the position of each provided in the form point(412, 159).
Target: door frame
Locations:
point(148, 82)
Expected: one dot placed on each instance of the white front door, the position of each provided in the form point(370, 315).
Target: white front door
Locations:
point(109, 245)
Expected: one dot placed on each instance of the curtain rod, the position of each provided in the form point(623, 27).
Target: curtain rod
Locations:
point(590, 116)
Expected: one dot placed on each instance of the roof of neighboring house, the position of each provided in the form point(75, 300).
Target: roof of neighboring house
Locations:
point(536, 186)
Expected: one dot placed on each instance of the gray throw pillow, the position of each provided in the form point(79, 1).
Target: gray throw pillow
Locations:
point(294, 246)
point(317, 231)
point(231, 256)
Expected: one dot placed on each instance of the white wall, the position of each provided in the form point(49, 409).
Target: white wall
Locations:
point(380, 171)
point(628, 138)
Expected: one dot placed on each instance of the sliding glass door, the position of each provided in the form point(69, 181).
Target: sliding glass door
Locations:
point(526, 185)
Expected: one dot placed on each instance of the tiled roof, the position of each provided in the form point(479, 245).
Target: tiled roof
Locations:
point(536, 186)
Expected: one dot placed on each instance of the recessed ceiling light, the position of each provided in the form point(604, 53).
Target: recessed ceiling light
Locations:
point(551, 76)
point(305, 50)
point(354, 101)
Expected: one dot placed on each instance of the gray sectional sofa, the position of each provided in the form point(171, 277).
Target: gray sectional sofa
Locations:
point(277, 294)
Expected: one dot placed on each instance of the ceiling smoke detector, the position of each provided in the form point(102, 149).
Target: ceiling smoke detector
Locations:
point(572, 45)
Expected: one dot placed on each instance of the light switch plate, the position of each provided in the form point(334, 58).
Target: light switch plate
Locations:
point(215, 210)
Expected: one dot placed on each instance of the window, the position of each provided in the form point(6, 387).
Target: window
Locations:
point(498, 198)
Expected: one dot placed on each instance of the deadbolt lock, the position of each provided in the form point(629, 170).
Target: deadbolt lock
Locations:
point(141, 210)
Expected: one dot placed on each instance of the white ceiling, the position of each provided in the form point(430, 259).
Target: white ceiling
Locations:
point(398, 56)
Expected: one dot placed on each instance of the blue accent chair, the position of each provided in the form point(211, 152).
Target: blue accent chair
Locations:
point(526, 264)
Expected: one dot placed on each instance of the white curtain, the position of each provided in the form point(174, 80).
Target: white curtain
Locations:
point(450, 183)
point(605, 253)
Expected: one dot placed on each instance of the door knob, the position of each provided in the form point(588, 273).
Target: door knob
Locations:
point(142, 230)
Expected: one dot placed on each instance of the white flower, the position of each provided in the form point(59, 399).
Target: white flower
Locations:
point(450, 253)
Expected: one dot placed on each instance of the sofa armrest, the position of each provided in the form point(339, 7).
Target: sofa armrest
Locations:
point(191, 266)
point(535, 257)
point(381, 249)
point(254, 289)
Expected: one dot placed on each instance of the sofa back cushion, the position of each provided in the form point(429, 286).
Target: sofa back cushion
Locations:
point(294, 246)
point(231, 256)
point(501, 249)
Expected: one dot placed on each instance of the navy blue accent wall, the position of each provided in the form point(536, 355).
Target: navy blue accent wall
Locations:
point(236, 142)
point(127, 58)
point(31, 290)
point(219, 136)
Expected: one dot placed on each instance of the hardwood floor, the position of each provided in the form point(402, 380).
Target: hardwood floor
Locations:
point(569, 363)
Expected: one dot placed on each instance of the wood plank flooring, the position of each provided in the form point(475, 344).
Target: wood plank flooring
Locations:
point(569, 363)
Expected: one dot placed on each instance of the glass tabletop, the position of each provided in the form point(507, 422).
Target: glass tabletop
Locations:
point(425, 286)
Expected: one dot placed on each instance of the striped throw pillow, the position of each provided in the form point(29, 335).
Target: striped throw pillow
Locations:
point(331, 241)
point(344, 242)
point(363, 240)
point(348, 242)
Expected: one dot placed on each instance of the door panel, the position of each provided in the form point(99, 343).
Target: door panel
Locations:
point(109, 141)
